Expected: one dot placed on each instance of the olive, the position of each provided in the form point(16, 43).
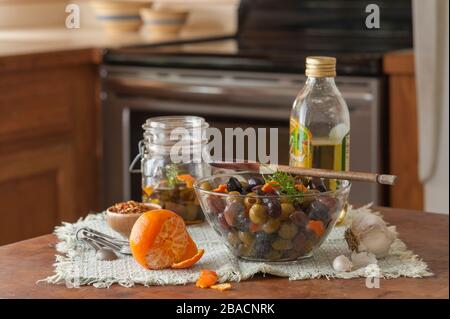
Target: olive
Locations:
point(231, 211)
point(242, 222)
point(255, 181)
point(285, 199)
point(271, 225)
point(223, 222)
point(299, 218)
point(330, 202)
point(251, 199)
point(273, 255)
point(317, 210)
point(286, 210)
point(299, 242)
point(233, 185)
point(246, 238)
point(215, 204)
point(245, 250)
point(258, 190)
point(317, 183)
point(282, 244)
point(234, 196)
point(273, 208)
point(206, 186)
point(287, 230)
point(263, 244)
point(233, 239)
point(258, 214)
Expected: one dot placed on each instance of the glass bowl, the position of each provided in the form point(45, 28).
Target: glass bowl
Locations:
point(272, 227)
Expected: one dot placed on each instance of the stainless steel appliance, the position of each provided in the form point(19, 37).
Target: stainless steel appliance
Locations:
point(225, 99)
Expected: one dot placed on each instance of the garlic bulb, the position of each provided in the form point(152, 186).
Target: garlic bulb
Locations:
point(342, 263)
point(369, 233)
point(363, 259)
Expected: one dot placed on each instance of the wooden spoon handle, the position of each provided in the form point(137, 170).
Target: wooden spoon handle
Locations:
point(353, 176)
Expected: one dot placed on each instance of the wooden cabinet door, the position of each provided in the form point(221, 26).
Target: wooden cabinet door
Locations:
point(36, 192)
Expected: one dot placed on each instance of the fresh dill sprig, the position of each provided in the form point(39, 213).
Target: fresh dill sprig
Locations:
point(171, 173)
point(285, 181)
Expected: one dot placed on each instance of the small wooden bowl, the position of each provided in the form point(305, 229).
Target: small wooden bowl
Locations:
point(123, 223)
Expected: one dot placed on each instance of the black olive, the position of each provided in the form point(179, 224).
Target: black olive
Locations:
point(318, 211)
point(242, 223)
point(273, 207)
point(255, 181)
point(299, 218)
point(263, 244)
point(258, 190)
point(317, 183)
point(233, 185)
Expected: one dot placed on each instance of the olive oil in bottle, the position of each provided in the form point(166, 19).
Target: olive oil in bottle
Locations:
point(320, 122)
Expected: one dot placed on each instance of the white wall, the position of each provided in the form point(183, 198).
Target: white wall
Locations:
point(431, 46)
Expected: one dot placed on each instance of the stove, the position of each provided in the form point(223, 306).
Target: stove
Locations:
point(251, 79)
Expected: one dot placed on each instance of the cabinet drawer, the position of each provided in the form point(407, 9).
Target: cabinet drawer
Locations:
point(35, 104)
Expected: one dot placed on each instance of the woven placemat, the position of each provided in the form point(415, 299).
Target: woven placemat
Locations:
point(76, 264)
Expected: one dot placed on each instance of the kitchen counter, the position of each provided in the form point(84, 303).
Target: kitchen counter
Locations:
point(23, 263)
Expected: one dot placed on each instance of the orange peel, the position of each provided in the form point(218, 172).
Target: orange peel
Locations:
point(207, 278)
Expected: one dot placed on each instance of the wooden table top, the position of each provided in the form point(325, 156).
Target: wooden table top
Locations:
point(25, 262)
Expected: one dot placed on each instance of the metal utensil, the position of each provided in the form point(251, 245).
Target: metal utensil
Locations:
point(313, 172)
point(103, 241)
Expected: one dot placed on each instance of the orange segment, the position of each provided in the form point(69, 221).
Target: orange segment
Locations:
point(187, 179)
point(221, 287)
point(159, 239)
point(189, 262)
point(207, 279)
point(191, 249)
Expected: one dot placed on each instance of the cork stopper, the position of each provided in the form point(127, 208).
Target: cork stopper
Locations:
point(320, 66)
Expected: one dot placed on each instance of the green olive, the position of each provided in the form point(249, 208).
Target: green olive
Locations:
point(282, 244)
point(274, 255)
point(206, 186)
point(234, 196)
point(258, 214)
point(244, 250)
point(246, 238)
point(233, 239)
point(271, 225)
point(287, 230)
point(251, 199)
point(285, 199)
point(286, 210)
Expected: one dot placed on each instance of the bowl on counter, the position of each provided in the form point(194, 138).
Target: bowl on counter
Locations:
point(118, 16)
point(270, 226)
point(163, 22)
point(122, 216)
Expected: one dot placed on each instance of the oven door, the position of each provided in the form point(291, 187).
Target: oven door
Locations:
point(132, 95)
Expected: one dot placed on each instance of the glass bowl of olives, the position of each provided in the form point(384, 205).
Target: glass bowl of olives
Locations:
point(277, 217)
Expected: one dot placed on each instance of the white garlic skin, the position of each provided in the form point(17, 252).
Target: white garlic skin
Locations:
point(363, 259)
point(342, 263)
point(372, 234)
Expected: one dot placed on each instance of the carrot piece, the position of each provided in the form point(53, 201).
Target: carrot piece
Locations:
point(187, 179)
point(254, 228)
point(207, 278)
point(269, 187)
point(317, 227)
point(301, 188)
point(221, 287)
point(222, 188)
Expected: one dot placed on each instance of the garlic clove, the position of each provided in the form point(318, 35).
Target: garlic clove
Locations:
point(342, 263)
point(362, 259)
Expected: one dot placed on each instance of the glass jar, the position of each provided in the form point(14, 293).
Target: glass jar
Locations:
point(173, 155)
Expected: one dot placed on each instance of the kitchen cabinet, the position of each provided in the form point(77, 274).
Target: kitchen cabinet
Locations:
point(403, 131)
point(49, 141)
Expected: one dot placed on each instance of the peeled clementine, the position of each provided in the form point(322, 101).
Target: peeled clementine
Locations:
point(159, 239)
point(207, 278)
